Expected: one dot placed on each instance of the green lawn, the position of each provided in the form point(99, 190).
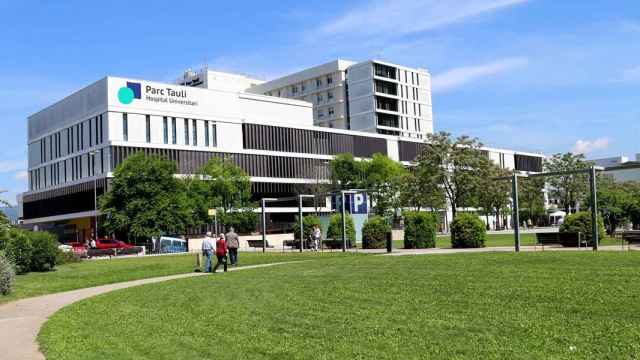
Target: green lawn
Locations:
point(561, 305)
point(493, 240)
point(101, 272)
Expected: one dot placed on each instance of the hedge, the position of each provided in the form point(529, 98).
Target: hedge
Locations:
point(7, 274)
point(31, 251)
point(580, 222)
point(420, 230)
point(308, 223)
point(467, 231)
point(45, 250)
point(374, 233)
point(19, 250)
point(335, 229)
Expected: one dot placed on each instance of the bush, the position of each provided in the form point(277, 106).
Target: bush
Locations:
point(67, 257)
point(374, 233)
point(19, 250)
point(308, 222)
point(580, 222)
point(244, 222)
point(467, 231)
point(335, 228)
point(7, 274)
point(45, 251)
point(420, 230)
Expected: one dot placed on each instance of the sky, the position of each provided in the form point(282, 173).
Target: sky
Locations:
point(533, 75)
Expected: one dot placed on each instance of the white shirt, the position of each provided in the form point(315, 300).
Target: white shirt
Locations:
point(207, 244)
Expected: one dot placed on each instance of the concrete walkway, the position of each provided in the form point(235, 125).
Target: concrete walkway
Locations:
point(20, 321)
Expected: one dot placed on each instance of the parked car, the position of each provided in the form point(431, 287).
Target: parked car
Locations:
point(106, 243)
point(172, 245)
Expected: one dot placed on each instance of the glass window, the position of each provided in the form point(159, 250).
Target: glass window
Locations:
point(186, 131)
point(329, 95)
point(174, 137)
point(214, 135)
point(330, 111)
point(148, 128)
point(206, 133)
point(195, 132)
point(125, 127)
point(329, 79)
point(165, 130)
point(318, 82)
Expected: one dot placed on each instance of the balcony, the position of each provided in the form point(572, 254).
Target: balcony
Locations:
point(386, 87)
point(384, 71)
point(388, 120)
point(387, 104)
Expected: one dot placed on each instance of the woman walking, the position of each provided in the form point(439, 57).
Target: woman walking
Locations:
point(221, 253)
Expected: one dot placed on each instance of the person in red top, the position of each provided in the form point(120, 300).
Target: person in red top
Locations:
point(221, 253)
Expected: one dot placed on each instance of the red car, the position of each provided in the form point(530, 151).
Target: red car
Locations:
point(106, 243)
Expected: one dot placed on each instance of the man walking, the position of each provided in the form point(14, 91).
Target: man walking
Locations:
point(233, 243)
point(207, 251)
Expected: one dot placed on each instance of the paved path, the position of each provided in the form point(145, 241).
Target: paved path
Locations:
point(402, 252)
point(20, 321)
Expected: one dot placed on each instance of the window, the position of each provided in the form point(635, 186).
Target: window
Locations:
point(319, 98)
point(186, 131)
point(302, 87)
point(320, 113)
point(330, 111)
point(329, 80)
point(214, 135)
point(174, 137)
point(165, 130)
point(90, 134)
point(206, 133)
point(195, 132)
point(294, 89)
point(318, 83)
point(125, 127)
point(148, 128)
point(81, 146)
point(329, 95)
point(101, 134)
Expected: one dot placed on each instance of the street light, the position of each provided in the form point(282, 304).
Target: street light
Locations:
point(95, 190)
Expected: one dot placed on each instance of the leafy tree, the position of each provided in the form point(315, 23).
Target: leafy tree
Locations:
point(632, 205)
point(308, 223)
point(496, 194)
point(374, 233)
point(335, 228)
point(382, 177)
point(531, 198)
point(568, 189)
point(5, 224)
point(612, 202)
point(417, 194)
point(346, 172)
point(145, 198)
point(454, 164)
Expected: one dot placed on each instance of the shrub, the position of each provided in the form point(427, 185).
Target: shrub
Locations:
point(420, 230)
point(467, 231)
point(66, 257)
point(45, 250)
point(335, 228)
point(374, 233)
point(580, 222)
point(7, 274)
point(19, 250)
point(244, 222)
point(308, 223)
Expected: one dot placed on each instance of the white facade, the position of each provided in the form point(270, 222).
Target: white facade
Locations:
point(372, 96)
point(620, 168)
point(217, 80)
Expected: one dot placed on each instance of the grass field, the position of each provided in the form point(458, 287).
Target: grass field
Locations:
point(465, 306)
point(100, 272)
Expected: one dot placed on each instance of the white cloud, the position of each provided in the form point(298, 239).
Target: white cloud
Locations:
point(12, 165)
point(588, 146)
point(22, 175)
point(400, 17)
point(457, 77)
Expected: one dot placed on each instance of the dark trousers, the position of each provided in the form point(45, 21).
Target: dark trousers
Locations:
point(233, 256)
point(222, 259)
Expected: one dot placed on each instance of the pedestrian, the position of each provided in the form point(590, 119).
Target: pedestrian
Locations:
point(93, 243)
point(207, 251)
point(317, 234)
point(233, 243)
point(221, 253)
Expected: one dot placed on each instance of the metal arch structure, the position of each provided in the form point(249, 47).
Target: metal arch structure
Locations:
point(591, 171)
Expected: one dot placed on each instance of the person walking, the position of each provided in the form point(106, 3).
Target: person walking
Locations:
point(221, 253)
point(207, 251)
point(317, 234)
point(233, 243)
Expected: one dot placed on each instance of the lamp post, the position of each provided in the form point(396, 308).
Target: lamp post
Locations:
point(92, 153)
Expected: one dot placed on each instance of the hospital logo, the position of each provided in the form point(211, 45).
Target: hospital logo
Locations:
point(126, 94)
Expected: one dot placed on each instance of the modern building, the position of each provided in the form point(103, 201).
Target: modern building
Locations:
point(371, 96)
point(75, 144)
point(620, 167)
point(217, 80)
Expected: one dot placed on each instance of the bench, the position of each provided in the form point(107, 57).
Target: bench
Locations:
point(631, 236)
point(257, 243)
point(566, 239)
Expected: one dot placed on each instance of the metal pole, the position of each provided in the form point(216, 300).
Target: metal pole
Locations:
point(301, 223)
point(264, 228)
point(516, 214)
point(344, 225)
point(594, 208)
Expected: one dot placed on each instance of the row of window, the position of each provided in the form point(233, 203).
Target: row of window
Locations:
point(274, 138)
point(189, 127)
point(330, 112)
point(68, 170)
point(78, 137)
point(293, 90)
point(417, 108)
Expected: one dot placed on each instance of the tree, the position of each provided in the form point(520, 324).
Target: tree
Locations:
point(5, 224)
point(382, 178)
point(496, 194)
point(346, 172)
point(455, 165)
point(417, 194)
point(612, 201)
point(632, 205)
point(568, 189)
point(145, 198)
point(531, 197)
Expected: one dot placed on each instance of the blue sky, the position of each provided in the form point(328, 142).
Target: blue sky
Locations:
point(538, 75)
